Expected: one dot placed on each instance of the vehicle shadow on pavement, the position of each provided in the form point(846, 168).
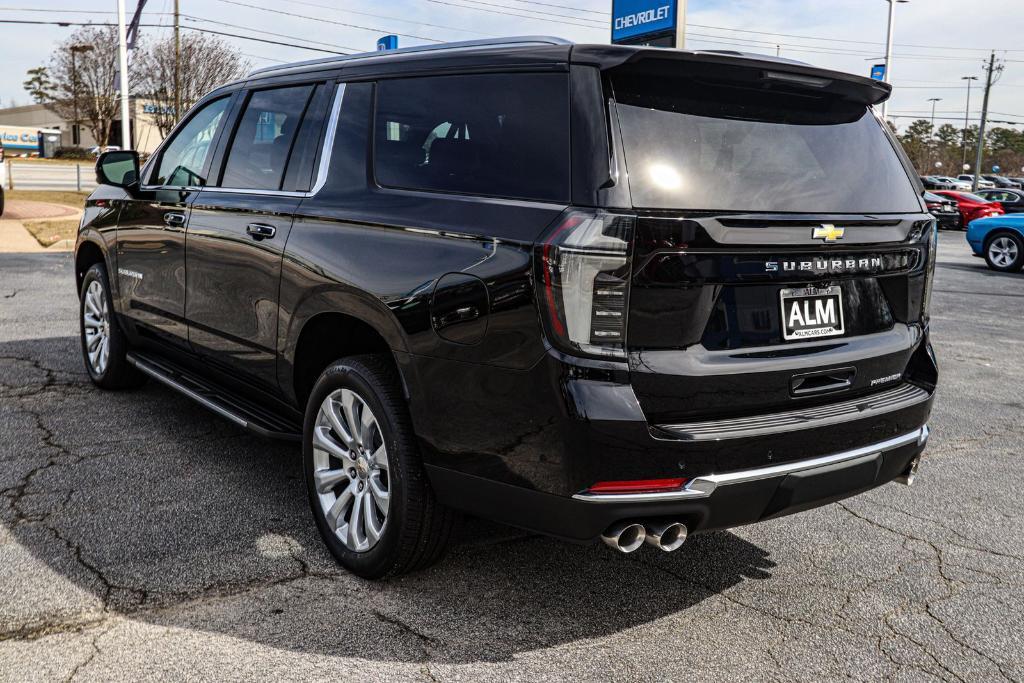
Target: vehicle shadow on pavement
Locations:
point(142, 504)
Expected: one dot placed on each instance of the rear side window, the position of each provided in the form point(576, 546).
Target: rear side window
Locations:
point(263, 140)
point(498, 135)
point(710, 146)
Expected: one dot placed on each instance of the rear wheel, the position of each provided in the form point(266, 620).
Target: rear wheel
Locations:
point(367, 487)
point(1005, 252)
point(104, 344)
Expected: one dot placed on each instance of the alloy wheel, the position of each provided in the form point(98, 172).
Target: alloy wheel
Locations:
point(350, 470)
point(96, 321)
point(1003, 252)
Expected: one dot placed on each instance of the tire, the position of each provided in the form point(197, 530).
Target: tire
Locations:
point(1004, 252)
point(104, 345)
point(413, 529)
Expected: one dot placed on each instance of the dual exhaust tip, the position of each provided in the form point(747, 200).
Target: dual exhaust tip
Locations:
point(629, 536)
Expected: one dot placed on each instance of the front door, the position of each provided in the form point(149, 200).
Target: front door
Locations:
point(239, 226)
point(151, 228)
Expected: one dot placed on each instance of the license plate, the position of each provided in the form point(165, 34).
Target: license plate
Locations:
point(810, 313)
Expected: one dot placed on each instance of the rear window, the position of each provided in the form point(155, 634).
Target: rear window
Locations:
point(499, 135)
point(700, 145)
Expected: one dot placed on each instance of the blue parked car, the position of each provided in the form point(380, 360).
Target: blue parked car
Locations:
point(1000, 240)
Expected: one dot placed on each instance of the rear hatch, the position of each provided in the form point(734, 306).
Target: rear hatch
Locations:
point(781, 250)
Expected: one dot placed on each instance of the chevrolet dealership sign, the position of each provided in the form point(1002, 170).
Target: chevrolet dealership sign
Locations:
point(633, 21)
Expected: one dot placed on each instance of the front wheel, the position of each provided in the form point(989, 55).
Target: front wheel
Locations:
point(1005, 252)
point(104, 344)
point(367, 487)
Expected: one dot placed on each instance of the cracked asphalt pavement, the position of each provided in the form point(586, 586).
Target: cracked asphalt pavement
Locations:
point(143, 538)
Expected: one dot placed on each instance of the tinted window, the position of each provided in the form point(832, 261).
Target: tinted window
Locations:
point(499, 135)
point(307, 143)
point(183, 160)
point(693, 144)
point(263, 140)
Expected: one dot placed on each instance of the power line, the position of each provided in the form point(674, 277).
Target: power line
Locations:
point(328, 21)
point(335, 8)
point(574, 9)
point(600, 24)
point(189, 17)
point(187, 28)
point(511, 14)
point(843, 40)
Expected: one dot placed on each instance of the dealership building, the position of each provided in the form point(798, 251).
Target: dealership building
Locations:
point(20, 129)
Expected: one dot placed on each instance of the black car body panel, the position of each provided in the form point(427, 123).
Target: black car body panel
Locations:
point(453, 285)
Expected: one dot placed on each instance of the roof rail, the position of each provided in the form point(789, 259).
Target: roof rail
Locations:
point(439, 47)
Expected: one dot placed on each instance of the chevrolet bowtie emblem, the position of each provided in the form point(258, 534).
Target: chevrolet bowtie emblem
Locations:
point(828, 232)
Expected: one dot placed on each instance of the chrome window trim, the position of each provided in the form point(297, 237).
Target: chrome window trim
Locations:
point(322, 171)
point(704, 486)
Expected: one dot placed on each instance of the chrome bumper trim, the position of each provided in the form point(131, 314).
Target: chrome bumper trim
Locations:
point(704, 486)
point(897, 398)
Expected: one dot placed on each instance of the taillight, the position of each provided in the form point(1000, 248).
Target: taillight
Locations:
point(637, 486)
point(931, 240)
point(583, 280)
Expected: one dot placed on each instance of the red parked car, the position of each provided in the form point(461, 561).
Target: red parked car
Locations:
point(972, 206)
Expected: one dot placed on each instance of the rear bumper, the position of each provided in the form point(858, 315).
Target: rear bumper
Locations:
point(705, 503)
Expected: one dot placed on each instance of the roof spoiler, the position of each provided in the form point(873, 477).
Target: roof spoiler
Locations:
point(743, 67)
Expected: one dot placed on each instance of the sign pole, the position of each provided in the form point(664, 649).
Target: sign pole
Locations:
point(681, 25)
point(122, 49)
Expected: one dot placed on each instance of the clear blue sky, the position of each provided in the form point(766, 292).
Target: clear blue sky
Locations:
point(938, 41)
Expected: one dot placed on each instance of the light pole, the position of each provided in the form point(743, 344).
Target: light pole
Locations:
point(933, 100)
point(76, 138)
point(888, 50)
point(967, 113)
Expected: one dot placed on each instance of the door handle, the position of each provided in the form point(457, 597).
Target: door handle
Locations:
point(261, 231)
point(174, 220)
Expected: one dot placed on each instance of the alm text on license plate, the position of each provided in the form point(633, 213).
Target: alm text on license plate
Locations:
point(810, 312)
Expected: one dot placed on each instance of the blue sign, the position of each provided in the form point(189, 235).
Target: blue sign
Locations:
point(878, 72)
point(387, 43)
point(632, 18)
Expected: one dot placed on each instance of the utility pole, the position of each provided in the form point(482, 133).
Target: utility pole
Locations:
point(177, 62)
point(967, 113)
point(991, 70)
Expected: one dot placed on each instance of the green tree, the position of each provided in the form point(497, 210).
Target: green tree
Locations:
point(39, 85)
point(918, 143)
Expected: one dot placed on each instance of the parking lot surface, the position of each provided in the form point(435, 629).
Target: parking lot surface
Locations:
point(142, 537)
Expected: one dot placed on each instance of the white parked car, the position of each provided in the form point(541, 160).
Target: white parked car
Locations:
point(961, 185)
point(982, 183)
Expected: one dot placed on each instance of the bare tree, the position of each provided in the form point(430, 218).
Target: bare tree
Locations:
point(206, 62)
point(82, 70)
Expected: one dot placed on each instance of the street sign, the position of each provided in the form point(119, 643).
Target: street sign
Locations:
point(387, 43)
point(878, 72)
point(644, 22)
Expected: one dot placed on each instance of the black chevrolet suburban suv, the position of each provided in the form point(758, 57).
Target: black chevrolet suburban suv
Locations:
point(592, 291)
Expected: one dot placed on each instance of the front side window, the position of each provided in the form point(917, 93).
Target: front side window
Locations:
point(497, 135)
point(183, 160)
point(263, 141)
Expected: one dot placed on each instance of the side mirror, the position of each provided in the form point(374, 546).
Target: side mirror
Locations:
point(118, 168)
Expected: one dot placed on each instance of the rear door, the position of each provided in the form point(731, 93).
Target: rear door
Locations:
point(780, 246)
point(241, 223)
point(151, 227)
